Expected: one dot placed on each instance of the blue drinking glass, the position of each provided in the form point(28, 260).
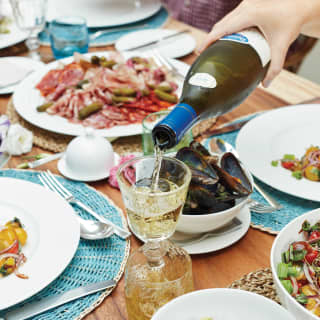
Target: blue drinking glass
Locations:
point(68, 35)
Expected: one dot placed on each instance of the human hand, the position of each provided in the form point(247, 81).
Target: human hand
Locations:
point(279, 21)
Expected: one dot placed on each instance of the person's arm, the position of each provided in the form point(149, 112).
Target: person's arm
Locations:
point(280, 22)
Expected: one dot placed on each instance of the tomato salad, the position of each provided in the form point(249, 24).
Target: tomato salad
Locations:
point(299, 271)
point(12, 238)
point(308, 166)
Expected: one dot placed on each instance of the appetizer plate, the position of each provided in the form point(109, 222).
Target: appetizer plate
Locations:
point(53, 236)
point(288, 130)
point(222, 304)
point(20, 67)
point(175, 47)
point(213, 244)
point(26, 98)
point(104, 13)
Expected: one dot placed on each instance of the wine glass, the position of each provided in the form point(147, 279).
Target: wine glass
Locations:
point(30, 16)
point(158, 271)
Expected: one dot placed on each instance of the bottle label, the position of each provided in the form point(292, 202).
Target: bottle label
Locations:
point(204, 80)
point(255, 39)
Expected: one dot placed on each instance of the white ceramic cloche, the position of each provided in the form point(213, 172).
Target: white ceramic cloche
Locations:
point(88, 157)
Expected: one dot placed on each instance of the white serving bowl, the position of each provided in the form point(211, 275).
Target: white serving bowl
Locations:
point(206, 222)
point(289, 234)
point(87, 158)
point(222, 304)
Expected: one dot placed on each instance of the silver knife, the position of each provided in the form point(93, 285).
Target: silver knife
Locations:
point(34, 308)
point(40, 162)
point(157, 41)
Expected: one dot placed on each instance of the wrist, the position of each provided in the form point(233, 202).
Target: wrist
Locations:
point(311, 24)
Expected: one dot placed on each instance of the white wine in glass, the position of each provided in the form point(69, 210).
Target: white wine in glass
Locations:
point(30, 16)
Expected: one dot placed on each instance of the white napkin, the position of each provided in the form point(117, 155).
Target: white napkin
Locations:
point(11, 72)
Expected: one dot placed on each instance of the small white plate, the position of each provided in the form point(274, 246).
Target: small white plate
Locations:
point(287, 130)
point(26, 65)
point(64, 170)
point(213, 244)
point(53, 236)
point(104, 13)
point(174, 47)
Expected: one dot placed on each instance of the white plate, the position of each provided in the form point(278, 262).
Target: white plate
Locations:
point(64, 170)
point(104, 13)
point(222, 304)
point(15, 36)
point(289, 130)
point(174, 47)
point(26, 98)
point(217, 243)
point(23, 63)
point(53, 236)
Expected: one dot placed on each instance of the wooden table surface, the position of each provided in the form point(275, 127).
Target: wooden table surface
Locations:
point(252, 252)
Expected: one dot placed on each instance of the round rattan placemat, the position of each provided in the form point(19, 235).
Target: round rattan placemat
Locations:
point(260, 282)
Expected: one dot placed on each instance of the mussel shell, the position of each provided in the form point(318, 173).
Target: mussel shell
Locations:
point(230, 163)
point(195, 161)
point(198, 147)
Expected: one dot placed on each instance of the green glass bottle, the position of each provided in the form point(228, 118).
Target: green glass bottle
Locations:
point(218, 81)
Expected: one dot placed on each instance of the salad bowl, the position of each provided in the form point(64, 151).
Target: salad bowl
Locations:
point(289, 234)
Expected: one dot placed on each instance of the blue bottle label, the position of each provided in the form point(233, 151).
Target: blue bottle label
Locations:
point(180, 119)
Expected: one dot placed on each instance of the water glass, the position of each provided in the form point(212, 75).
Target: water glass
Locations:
point(68, 35)
point(30, 16)
point(148, 124)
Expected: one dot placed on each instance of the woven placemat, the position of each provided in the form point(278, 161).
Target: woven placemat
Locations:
point(93, 261)
point(260, 282)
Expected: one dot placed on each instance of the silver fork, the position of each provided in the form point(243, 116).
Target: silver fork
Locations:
point(258, 207)
point(57, 187)
point(161, 60)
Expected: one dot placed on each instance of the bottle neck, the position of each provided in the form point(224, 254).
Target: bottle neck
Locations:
point(169, 131)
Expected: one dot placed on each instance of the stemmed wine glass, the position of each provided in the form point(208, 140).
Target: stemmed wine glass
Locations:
point(158, 271)
point(30, 16)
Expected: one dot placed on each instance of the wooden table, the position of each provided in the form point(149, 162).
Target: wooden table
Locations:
point(252, 252)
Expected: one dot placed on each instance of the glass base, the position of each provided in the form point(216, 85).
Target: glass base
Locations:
point(156, 274)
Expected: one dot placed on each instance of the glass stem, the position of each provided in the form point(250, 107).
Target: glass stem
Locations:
point(33, 44)
point(154, 253)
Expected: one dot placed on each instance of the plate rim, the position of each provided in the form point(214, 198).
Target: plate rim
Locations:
point(75, 129)
point(243, 133)
point(157, 7)
point(34, 188)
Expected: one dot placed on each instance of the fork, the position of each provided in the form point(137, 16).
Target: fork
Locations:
point(53, 183)
point(163, 61)
point(258, 207)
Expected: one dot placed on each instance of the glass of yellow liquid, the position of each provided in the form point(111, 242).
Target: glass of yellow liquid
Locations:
point(154, 191)
point(148, 124)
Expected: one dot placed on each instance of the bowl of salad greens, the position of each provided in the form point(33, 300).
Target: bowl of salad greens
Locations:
point(295, 264)
point(222, 304)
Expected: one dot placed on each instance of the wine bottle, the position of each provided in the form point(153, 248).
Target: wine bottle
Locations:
point(218, 81)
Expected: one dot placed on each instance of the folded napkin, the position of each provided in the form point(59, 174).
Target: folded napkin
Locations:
point(292, 206)
point(11, 72)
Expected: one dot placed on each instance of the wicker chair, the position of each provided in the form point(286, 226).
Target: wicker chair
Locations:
point(298, 51)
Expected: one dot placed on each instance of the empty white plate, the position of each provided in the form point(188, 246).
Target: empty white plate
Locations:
point(174, 47)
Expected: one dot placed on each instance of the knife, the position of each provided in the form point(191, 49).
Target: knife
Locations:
point(157, 41)
point(40, 162)
point(34, 308)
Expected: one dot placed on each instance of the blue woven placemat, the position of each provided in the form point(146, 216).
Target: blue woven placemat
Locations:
point(94, 261)
point(155, 21)
point(292, 206)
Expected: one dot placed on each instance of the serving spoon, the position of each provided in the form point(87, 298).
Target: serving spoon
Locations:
point(94, 230)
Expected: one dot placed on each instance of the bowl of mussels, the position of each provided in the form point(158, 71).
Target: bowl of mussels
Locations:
point(219, 189)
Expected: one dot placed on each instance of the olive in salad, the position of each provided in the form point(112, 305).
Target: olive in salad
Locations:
point(299, 271)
